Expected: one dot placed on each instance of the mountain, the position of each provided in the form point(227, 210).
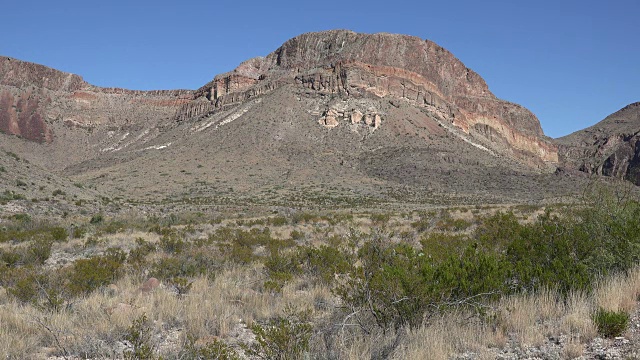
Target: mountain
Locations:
point(608, 148)
point(331, 116)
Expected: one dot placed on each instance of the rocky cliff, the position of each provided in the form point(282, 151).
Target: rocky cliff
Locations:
point(395, 67)
point(335, 113)
point(610, 147)
point(34, 97)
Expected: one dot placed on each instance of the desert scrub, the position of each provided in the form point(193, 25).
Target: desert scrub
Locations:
point(9, 195)
point(172, 243)
point(215, 349)
point(280, 267)
point(450, 224)
point(44, 291)
point(139, 336)
point(36, 253)
point(277, 221)
point(611, 324)
point(424, 223)
point(96, 219)
point(137, 255)
point(284, 338)
point(325, 262)
point(86, 275)
point(380, 219)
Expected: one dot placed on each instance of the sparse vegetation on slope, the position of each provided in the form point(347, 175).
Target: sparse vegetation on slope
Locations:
point(329, 286)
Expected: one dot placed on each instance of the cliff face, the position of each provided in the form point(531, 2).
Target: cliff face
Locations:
point(352, 65)
point(610, 147)
point(33, 97)
point(35, 101)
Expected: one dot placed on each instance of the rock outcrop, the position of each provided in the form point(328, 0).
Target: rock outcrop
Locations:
point(610, 147)
point(352, 65)
point(33, 97)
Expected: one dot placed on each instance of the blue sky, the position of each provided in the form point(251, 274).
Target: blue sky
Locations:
point(570, 62)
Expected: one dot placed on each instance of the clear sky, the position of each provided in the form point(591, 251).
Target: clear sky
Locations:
point(570, 62)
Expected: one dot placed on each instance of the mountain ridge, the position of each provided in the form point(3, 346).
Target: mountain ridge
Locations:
point(609, 147)
point(334, 112)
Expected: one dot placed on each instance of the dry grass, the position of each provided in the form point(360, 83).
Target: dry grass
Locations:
point(528, 320)
point(619, 293)
point(572, 350)
point(18, 334)
point(576, 321)
point(93, 326)
point(531, 318)
point(453, 333)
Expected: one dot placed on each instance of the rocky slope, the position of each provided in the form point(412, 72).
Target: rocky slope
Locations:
point(394, 67)
point(610, 147)
point(74, 120)
point(327, 114)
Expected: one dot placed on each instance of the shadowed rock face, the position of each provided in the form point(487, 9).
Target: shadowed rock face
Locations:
point(33, 97)
point(610, 147)
point(352, 65)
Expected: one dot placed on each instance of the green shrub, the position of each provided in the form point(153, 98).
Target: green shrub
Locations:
point(78, 232)
point(303, 217)
point(96, 219)
point(611, 324)
point(58, 192)
point(112, 227)
point(189, 264)
point(22, 218)
point(399, 286)
point(424, 223)
point(89, 274)
point(324, 263)
point(280, 269)
point(13, 155)
point(380, 219)
point(44, 291)
point(9, 195)
point(138, 254)
point(9, 258)
point(59, 234)
point(139, 335)
point(296, 235)
point(215, 350)
point(450, 224)
point(277, 221)
point(38, 252)
point(283, 338)
point(23, 285)
point(172, 244)
point(439, 246)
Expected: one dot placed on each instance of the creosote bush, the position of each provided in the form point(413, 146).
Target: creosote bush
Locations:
point(611, 324)
point(86, 275)
point(284, 338)
point(139, 337)
point(215, 350)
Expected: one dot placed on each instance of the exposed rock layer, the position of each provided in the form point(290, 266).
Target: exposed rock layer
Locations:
point(32, 97)
point(337, 64)
point(348, 64)
point(610, 147)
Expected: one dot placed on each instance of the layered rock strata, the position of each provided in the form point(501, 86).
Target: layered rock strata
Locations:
point(33, 97)
point(386, 66)
point(610, 147)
